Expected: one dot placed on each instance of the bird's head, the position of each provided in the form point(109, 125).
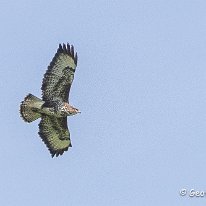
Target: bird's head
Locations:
point(70, 110)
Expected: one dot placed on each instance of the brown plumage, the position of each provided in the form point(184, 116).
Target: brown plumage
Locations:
point(54, 107)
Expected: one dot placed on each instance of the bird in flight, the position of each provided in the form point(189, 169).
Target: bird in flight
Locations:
point(54, 106)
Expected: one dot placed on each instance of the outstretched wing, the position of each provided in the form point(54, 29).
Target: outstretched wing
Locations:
point(60, 74)
point(55, 134)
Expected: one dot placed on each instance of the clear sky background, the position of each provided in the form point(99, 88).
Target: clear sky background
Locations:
point(141, 86)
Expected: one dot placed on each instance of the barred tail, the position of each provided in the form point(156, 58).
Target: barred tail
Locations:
point(29, 108)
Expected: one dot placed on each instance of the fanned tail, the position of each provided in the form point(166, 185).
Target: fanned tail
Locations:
point(29, 108)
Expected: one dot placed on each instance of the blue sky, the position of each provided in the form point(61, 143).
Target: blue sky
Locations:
point(141, 86)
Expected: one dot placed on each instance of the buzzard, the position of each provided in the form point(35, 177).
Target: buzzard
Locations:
point(54, 106)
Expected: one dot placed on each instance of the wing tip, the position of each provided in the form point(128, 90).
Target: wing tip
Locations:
point(52, 152)
point(57, 152)
point(68, 49)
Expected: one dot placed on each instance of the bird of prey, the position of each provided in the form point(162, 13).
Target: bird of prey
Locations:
point(54, 106)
